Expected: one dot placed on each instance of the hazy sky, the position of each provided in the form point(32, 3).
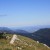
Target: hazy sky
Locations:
point(24, 12)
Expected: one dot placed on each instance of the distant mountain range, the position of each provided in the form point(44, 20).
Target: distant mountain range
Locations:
point(5, 29)
point(20, 31)
point(31, 29)
point(9, 30)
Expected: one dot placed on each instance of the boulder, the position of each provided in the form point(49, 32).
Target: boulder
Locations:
point(14, 38)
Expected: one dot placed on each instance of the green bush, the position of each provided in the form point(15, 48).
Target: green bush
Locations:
point(1, 35)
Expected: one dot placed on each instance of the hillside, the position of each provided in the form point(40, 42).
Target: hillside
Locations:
point(42, 35)
point(44, 32)
point(24, 44)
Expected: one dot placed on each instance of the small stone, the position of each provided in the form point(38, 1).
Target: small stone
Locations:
point(44, 44)
point(19, 48)
point(37, 41)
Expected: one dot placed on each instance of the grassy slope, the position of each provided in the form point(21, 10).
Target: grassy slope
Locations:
point(24, 44)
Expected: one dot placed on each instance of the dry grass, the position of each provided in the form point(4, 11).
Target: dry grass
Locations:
point(24, 44)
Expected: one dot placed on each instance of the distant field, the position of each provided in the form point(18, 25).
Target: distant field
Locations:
point(24, 44)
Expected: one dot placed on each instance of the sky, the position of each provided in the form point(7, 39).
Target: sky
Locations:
point(18, 13)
